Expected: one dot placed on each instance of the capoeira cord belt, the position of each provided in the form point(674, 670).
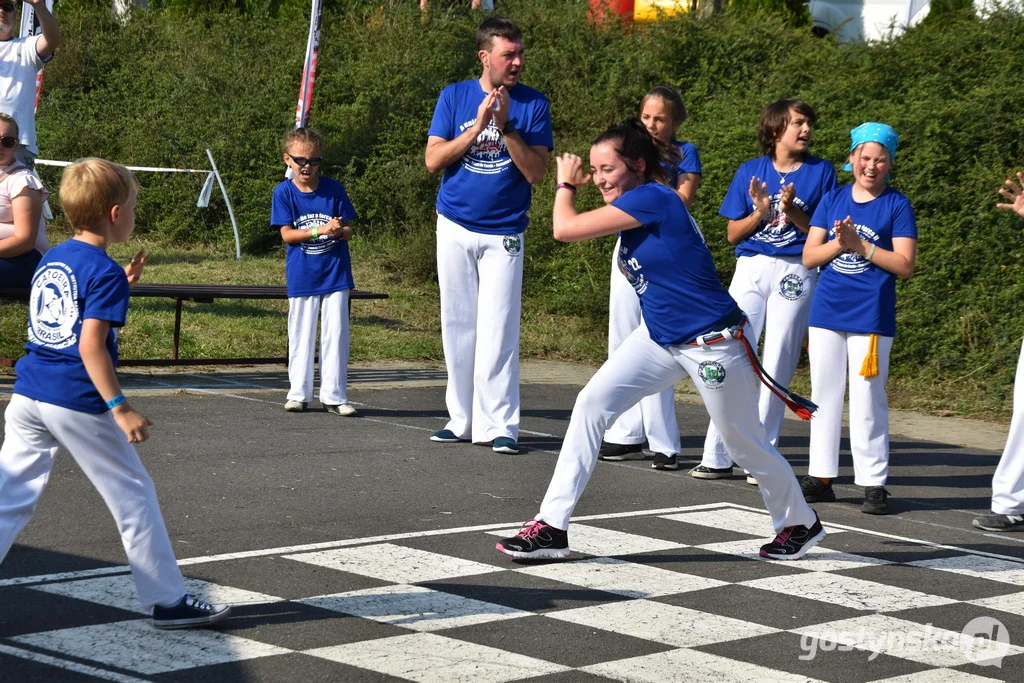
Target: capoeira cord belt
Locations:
point(802, 407)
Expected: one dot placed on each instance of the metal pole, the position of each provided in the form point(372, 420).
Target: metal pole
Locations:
point(227, 202)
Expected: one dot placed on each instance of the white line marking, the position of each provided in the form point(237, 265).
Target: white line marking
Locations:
point(69, 666)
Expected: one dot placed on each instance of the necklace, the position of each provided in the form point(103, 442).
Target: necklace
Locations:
point(783, 176)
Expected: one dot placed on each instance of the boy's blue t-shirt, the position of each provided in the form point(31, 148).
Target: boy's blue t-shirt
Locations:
point(776, 235)
point(670, 267)
point(485, 191)
point(319, 266)
point(689, 162)
point(74, 281)
point(853, 294)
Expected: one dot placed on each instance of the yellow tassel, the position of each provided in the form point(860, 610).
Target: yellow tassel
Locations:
point(869, 368)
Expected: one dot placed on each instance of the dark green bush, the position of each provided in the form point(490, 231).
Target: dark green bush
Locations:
point(170, 83)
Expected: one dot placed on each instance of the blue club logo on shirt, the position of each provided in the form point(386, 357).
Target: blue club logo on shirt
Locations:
point(849, 263)
point(777, 229)
point(53, 307)
point(488, 155)
point(791, 287)
point(322, 244)
point(712, 373)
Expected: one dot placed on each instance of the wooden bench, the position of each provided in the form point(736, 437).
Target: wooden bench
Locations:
point(204, 294)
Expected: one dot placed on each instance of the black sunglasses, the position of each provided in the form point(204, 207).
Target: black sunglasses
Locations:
point(6, 141)
point(302, 161)
point(7, 6)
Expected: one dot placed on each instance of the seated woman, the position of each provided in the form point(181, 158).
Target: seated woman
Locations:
point(22, 229)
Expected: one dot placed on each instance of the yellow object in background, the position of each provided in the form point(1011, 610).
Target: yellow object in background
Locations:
point(652, 10)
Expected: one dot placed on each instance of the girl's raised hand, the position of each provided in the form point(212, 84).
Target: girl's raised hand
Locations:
point(1015, 193)
point(846, 233)
point(570, 170)
point(135, 267)
point(788, 195)
point(759, 193)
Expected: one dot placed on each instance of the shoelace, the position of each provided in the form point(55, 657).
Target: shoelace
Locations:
point(192, 601)
point(784, 535)
point(530, 528)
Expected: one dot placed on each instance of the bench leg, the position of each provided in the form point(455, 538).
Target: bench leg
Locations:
point(177, 328)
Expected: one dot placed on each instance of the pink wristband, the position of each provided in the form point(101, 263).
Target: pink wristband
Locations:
point(568, 186)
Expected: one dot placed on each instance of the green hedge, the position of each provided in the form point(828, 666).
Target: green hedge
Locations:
point(168, 84)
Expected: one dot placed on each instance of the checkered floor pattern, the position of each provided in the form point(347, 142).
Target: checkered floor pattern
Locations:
point(666, 595)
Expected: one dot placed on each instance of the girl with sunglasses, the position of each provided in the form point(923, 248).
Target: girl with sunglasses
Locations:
point(22, 229)
point(313, 215)
point(693, 328)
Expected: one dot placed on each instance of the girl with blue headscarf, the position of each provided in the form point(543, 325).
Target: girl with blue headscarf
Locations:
point(862, 237)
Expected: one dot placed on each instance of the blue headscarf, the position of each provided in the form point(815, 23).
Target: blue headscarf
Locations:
point(881, 133)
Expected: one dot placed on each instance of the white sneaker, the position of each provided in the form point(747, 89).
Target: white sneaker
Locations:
point(295, 406)
point(344, 409)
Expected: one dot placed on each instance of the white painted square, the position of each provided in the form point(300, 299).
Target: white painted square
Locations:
point(415, 607)
point(1012, 603)
point(662, 623)
point(737, 521)
point(690, 665)
point(136, 646)
point(884, 634)
point(840, 589)
point(979, 567)
point(592, 540)
point(119, 591)
point(623, 578)
point(428, 657)
point(939, 676)
point(390, 562)
point(817, 559)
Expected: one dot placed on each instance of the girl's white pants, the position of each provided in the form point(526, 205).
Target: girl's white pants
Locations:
point(776, 289)
point(638, 368)
point(836, 356)
point(1008, 482)
point(32, 434)
point(481, 280)
point(654, 417)
point(303, 311)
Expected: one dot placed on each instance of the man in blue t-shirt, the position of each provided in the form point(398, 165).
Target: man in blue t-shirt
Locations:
point(491, 136)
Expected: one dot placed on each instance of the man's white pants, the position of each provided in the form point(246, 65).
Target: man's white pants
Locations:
point(32, 434)
point(1008, 482)
point(835, 356)
point(303, 311)
point(639, 368)
point(654, 417)
point(777, 289)
point(481, 279)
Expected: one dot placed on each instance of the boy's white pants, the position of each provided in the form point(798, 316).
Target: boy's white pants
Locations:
point(835, 356)
point(32, 433)
point(654, 417)
point(639, 368)
point(1008, 482)
point(480, 278)
point(776, 289)
point(303, 311)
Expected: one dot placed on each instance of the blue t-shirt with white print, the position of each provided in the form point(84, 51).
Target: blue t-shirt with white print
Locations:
point(74, 281)
point(319, 266)
point(670, 267)
point(485, 191)
point(853, 294)
point(689, 162)
point(776, 235)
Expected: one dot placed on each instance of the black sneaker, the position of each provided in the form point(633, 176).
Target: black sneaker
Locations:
point(704, 472)
point(190, 612)
point(996, 522)
point(620, 451)
point(817, 491)
point(665, 462)
point(536, 539)
point(874, 500)
point(794, 541)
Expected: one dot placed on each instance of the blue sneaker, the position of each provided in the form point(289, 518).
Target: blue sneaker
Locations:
point(445, 436)
point(189, 612)
point(503, 444)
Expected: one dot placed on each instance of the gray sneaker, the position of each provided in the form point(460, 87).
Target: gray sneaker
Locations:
point(996, 522)
point(295, 407)
point(343, 409)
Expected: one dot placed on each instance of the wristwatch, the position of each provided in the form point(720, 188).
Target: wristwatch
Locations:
point(510, 127)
